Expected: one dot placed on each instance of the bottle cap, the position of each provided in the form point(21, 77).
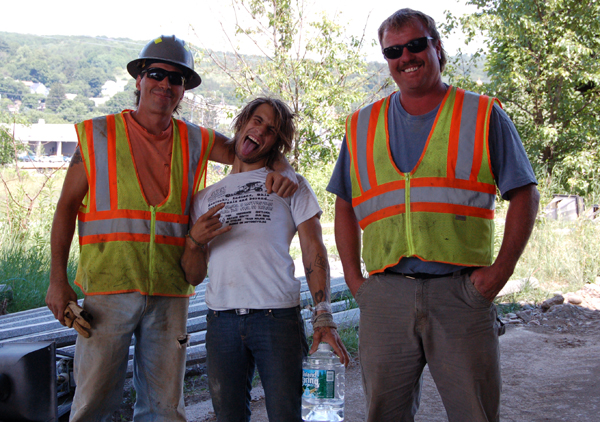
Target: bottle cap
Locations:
point(324, 347)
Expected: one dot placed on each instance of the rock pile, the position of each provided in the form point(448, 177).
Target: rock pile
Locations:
point(566, 312)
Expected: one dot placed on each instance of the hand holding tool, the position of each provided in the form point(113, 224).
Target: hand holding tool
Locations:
point(79, 319)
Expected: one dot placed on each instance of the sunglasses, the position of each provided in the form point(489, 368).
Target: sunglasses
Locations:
point(158, 74)
point(414, 46)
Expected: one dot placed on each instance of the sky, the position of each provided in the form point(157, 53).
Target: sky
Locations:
point(199, 22)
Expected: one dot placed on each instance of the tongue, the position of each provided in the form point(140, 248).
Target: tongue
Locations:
point(248, 146)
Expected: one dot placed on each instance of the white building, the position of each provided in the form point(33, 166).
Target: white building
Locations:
point(59, 140)
point(37, 88)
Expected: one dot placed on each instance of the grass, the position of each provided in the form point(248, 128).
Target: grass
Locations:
point(24, 267)
point(562, 255)
point(29, 200)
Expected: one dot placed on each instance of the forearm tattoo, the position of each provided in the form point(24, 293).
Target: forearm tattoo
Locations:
point(319, 296)
point(322, 262)
point(307, 272)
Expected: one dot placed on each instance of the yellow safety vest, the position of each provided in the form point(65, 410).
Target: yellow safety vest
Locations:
point(443, 210)
point(127, 245)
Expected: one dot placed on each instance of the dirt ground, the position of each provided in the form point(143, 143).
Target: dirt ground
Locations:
point(550, 370)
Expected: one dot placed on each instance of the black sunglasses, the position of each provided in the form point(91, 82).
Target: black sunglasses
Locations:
point(158, 74)
point(414, 46)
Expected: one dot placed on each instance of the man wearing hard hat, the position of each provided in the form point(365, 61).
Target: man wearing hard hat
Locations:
point(129, 187)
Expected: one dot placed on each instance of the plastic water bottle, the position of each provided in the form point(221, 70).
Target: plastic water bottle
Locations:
point(323, 384)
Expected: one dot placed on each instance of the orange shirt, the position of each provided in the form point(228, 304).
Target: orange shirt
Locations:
point(152, 158)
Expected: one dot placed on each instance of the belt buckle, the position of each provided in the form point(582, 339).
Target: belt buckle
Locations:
point(242, 311)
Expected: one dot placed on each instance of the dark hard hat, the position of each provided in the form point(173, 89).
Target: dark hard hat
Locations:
point(170, 50)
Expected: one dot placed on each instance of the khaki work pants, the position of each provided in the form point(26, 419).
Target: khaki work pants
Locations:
point(445, 323)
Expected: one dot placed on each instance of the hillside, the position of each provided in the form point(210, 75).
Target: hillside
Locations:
point(60, 78)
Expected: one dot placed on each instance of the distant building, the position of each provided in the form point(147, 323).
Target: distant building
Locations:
point(110, 88)
point(100, 101)
point(14, 108)
point(49, 139)
point(37, 88)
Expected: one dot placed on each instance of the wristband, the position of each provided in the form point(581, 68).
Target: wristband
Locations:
point(322, 306)
point(323, 320)
point(202, 246)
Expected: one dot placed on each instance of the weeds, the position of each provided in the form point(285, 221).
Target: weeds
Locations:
point(29, 201)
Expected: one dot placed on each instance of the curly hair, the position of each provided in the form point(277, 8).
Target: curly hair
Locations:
point(284, 125)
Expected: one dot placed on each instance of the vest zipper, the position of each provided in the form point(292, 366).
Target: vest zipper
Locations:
point(152, 251)
point(407, 219)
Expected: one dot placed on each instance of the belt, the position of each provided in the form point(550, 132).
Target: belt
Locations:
point(423, 276)
point(242, 311)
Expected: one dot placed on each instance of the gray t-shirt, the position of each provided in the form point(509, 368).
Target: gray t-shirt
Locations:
point(250, 266)
point(408, 136)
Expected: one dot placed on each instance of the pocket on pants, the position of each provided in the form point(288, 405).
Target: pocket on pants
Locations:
point(360, 293)
point(210, 315)
point(285, 315)
point(473, 294)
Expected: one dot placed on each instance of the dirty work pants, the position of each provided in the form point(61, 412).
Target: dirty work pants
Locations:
point(159, 326)
point(442, 322)
point(274, 341)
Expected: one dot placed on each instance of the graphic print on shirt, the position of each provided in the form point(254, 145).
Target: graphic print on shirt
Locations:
point(246, 204)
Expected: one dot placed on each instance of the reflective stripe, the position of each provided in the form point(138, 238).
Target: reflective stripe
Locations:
point(385, 200)
point(362, 129)
point(142, 244)
point(421, 216)
point(437, 195)
point(444, 195)
point(466, 146)
point(116, 225)
point(195, 148)
point(131, 225)
point(101, 164)
point(164, 228)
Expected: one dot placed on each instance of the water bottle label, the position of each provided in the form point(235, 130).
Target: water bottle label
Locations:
point(318, 383)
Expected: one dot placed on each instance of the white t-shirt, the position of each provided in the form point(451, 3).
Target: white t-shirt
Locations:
point(250, 266)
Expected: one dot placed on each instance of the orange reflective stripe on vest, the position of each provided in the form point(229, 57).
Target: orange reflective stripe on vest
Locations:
point(451, 187)
point(126, 244)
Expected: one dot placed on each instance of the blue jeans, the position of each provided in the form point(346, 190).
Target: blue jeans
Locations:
point(273, 340)
point(159, 326)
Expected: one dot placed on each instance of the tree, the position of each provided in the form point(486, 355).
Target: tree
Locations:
point(32, 101)
point(9, 147)
point(76, 110)
point(310, 64)
point(543, 65)
point(120, 101)
point(55, 97)
point(12, 89)
point(7, 151)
